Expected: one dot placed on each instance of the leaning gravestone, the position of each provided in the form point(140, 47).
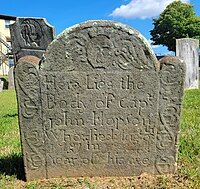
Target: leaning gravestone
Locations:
point(30, 36)
point(99, 105)
point(188, 50)
point(11, 84)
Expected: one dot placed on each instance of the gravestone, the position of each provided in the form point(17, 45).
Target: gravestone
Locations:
point(99, 105)
point(1, 85)
point(188, 50)
point(30, 36)
point(11, 84)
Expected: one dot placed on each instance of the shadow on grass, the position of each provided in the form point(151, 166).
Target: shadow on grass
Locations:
point(10, 115)
point(12, 165)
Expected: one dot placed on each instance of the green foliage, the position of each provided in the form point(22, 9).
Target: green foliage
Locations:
point(177, 21)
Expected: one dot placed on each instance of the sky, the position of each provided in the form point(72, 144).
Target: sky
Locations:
point(65, 13)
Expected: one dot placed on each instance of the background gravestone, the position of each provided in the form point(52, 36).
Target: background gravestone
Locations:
point(99, 105)
point(1, 85)
point(11, 84)
point(188, 50)
point(30, 36)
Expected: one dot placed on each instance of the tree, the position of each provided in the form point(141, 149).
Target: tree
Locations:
point(177, 21)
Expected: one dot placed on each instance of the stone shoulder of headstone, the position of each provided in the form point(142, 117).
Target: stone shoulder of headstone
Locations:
point(30, 36)
point(172, 77)
point(100, 104)
point(30, 119)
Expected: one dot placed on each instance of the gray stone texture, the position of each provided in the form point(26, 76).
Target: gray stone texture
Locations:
point(11, 84)
point(30, 36)
point(188, 50)
point(99, 105)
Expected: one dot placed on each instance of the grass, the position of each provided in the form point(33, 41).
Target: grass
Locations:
point(189, 146)
point(188, 175)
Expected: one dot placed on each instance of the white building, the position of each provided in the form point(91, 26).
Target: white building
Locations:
point(6, 59)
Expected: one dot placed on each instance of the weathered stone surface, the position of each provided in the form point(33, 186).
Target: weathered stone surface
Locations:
point(30, 116)
point(188, 50)
point(99, 105)
point(11, 84)
point(1, 85)
point(30, 36)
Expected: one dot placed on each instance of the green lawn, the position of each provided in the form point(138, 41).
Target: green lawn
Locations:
point(188, 175)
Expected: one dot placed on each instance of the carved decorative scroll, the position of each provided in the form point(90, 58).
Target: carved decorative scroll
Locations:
point(30, 116)
point(172, 73)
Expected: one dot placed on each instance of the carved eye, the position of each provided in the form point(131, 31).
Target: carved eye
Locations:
point(117, 52)
point(124, 49)
point(106, 46)
point(79, 51)
point(33, 34)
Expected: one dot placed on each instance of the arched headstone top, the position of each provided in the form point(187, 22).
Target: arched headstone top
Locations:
point(103, 45)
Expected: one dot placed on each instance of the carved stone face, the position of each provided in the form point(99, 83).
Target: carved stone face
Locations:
point(31, 32)
point(99, 51)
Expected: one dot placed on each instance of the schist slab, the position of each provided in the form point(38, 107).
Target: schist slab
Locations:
point(99, 105)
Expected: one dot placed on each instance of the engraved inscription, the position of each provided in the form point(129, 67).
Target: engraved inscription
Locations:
point(103, 128)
